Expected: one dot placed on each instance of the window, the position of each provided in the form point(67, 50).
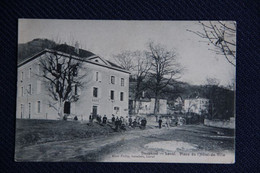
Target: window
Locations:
point(39, 69)
point(22, 91)
point(21, 76)
point(96, 76)
point(75, 71)
point(29, 89)
point(39, 84)
point(95, 92)
point(112, 79)
point(59, 68)
point(38, 106)
point(76, 90)
point(57, 86)
point(121, 96)
point(112, 95)
point(122, 82)
point(116, 108)
point(29, 74)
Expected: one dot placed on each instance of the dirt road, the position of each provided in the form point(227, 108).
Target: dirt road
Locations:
point(150, 145)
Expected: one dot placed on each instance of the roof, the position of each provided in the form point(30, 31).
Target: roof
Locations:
point(70, 50)
point(113, 64)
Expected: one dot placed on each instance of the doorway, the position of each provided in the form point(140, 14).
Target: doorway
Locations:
point(22, 111)
point(94, 111)
point(67, 108)
point(29, 110)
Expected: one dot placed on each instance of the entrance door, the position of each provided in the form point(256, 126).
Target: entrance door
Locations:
point(94, 111)
point(29, 110)
point(22, 111)
point(67, 108)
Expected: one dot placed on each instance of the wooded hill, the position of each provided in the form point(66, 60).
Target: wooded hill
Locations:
point(221, 99)
point(26, 50)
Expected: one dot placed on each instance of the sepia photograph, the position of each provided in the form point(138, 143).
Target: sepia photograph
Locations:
point(125, 91)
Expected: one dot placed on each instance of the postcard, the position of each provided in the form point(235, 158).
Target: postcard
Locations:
point(125, 91)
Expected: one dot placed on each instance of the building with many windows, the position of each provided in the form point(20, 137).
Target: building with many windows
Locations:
point(105, 93)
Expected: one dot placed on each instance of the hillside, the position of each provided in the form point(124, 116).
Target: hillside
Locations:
point(26, 50)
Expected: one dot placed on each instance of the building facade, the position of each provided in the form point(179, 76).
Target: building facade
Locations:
point(196, 105)
point(146, 106)
point(106, 91)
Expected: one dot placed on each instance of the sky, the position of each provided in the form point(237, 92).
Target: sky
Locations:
point(109, 37)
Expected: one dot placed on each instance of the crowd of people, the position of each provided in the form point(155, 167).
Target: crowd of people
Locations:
point(121, 123)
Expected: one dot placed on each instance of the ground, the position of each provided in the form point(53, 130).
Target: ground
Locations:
point(45, 140)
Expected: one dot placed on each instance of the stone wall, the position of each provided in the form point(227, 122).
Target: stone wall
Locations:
point(230, 124)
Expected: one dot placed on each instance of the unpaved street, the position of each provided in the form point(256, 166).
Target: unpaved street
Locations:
point(152, 144)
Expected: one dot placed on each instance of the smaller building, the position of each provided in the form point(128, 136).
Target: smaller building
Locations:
point(175, 106)
point(146, 106)
point(196, 105)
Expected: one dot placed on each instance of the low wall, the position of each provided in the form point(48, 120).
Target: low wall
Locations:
point(230, 124)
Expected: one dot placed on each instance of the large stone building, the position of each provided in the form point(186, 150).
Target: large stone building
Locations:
point(105, 93)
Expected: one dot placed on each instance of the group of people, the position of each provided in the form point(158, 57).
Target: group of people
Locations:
point(168, 122)
point(99, 119)
point(120, 123)
point(137, 121)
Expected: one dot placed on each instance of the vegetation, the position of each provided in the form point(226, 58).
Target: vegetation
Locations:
point(26, 50)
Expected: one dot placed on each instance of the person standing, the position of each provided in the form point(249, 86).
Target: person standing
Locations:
point(90, 118)
point(130, 121)
point(143, 123)
point(113, 118)
point(117, 122)
point(134, 123)
point(104, 119)
point(120, 121)
point(168, 122)
point(160, 122)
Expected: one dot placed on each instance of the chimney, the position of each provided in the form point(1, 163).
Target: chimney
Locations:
point(77, 47)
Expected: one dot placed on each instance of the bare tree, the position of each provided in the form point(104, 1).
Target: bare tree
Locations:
point(164, 68)
point(63, 76)
point(125, 60)
point(212, 81)
point(222, 35)
point(139, 65)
